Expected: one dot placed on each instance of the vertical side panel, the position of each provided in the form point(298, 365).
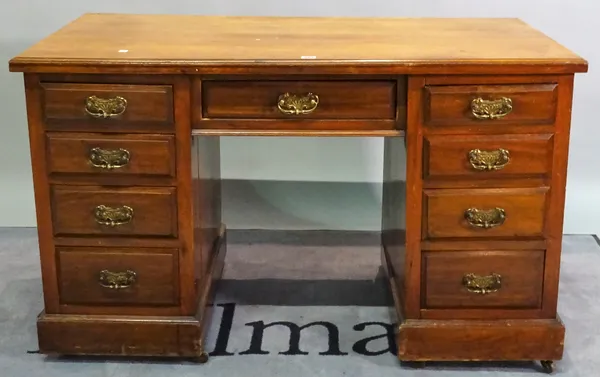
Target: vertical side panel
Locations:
point(393, 212)
point(185, 200)
point(556, 199)
point(208, 198)
point(401, 103)
point(207, 194)
point(37, 146)
point(414, 196)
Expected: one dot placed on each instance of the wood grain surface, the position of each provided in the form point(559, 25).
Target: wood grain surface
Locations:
point(174, 42)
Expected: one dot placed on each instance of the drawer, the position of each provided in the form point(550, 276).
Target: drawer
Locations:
point(454, 213)
point(108, 107)
point(299, 99)
point(90, 210)
point(479, 279)
point(526, 104)
point(104, 154)
point(118, 276)
point(487, 156)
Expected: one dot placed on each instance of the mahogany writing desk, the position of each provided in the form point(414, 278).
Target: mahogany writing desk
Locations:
point(124, 115)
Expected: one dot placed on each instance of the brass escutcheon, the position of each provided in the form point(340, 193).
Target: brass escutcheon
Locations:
point(105, 107)
point(109, 158)
point(113, 216)
point(117, 280)
point(482, 284)
point(491, 109)
point(485, 218)
point(489, 160)
point(296, 104)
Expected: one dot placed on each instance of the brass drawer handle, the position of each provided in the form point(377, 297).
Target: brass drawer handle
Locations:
point(113, 216)
point(117, 280)
point(295, 104)
point(485, 218)
point(491, 109)
point(482, 284)
point(105, 107)
point(489, 160)
point(109, 158)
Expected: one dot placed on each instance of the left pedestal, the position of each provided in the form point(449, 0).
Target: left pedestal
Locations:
point(128, 213)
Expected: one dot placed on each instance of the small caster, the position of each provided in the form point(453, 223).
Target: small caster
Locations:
point(202, 358)
point(547, 366)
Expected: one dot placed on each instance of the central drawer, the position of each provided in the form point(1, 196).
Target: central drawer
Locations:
point(299, 100)
point(129, 211)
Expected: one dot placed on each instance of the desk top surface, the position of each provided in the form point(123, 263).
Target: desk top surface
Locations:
point(176, 43)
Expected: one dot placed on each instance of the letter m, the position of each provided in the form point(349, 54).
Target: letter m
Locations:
point(258, 329)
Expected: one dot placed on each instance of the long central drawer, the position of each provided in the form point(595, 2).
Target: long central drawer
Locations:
point(299, 99)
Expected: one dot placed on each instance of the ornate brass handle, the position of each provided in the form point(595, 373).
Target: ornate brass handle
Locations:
point(482, 284)
point(489, 160)
point(295, 104)
point(109, 158)
point(491, 109)
point(105, 107)
point(111, 216)
point(485, 218)
point(117, 280)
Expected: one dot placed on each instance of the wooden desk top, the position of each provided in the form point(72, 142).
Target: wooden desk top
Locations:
point(210, 44)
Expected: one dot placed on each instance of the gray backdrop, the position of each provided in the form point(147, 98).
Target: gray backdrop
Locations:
point(331, 183)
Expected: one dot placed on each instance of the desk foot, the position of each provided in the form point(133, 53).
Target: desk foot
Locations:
point(547, 366)
point(203, 358)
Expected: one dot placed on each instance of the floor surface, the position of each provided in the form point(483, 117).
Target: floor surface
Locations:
point(331, 295)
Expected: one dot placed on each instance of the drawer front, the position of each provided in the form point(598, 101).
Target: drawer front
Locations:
point(86, 210)
point(118, 276)
point(108, 107)
point(487, 156)
point(490, 104)
point(104, 154)
point(478, 279)
point(454, 213)
point(304, 99)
